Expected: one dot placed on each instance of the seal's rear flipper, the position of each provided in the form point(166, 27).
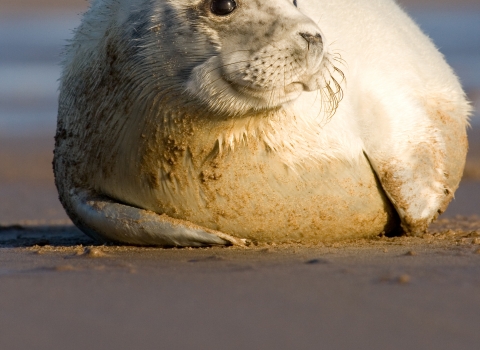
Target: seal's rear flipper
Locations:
point(104, 219)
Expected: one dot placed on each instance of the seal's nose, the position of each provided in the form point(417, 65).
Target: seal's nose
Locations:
point(312, 39)
point(313, 53)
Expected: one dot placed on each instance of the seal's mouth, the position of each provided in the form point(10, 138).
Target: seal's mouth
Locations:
point(267, 98)
point(269, 83)
point(238, 91)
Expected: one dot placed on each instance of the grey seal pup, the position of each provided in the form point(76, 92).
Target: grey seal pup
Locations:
point(214, 122)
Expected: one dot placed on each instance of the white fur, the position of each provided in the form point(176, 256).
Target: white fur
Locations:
point(390, 91)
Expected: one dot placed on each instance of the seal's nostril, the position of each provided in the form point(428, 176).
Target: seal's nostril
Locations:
point(312, 39)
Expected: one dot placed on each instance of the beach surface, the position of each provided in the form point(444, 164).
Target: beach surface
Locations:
point(60, 289)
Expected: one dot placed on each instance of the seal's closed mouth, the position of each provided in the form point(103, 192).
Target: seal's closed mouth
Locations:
point(278, 95)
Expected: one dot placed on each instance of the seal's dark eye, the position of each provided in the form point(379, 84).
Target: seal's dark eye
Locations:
point(223, 7)
point(295, 3)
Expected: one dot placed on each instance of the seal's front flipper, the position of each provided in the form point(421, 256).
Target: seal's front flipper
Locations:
point(104, 219)
point(416, 189)
point(419, 161)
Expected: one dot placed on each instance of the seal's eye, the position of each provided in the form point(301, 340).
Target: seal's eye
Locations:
point(295, 3)
point(223, 7)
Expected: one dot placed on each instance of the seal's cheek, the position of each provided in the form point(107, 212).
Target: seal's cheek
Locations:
point(267, 54)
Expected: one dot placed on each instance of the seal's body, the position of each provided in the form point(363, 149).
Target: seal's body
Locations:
point(191, 123)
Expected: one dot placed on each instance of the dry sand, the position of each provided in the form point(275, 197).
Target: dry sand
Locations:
point(59, 289)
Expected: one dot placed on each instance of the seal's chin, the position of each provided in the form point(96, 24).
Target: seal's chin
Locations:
point(227, 96)
point(268, 99)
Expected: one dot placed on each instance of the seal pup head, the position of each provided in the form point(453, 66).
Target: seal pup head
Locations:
point(266, 54)
point(231, 57)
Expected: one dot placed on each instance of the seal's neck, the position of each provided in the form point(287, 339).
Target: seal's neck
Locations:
point(293, 138)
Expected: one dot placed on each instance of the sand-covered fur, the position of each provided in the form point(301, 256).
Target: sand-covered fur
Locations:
point(317, 122)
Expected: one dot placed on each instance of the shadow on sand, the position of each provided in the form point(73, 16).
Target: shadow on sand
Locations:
point(16, 236)
point(457, 228)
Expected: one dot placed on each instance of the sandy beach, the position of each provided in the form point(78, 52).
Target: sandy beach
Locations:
point(60, 289)
point(60, 292)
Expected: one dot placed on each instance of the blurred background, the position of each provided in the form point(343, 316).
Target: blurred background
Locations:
point(33, 32)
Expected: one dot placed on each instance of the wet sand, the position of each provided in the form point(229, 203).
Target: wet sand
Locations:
point(59, 289)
